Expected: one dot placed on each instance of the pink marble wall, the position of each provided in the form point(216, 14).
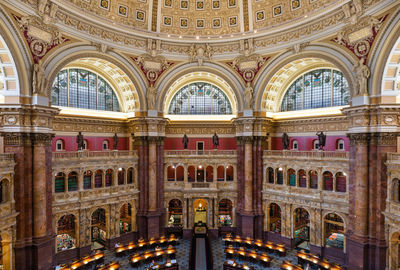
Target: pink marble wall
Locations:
point(305, 143)
point(94, 143)
point(176, 143)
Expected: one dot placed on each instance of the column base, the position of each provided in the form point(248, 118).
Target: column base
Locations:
point(357, 255)
point(43, 253)
point(246, 227)
point(153, 225)
point(335, 255)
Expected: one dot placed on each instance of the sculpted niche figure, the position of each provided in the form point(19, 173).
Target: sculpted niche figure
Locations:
point(285, 141)
point(185, 141)
point(79, 140)
point(248, 96)
point(151, 97)
point(362, 74)
point(39, 79)
point(215, 140)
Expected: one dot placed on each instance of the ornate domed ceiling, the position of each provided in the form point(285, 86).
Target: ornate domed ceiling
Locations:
point(203, 19)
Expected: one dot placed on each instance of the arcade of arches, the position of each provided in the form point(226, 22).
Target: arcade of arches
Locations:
point(280, 124)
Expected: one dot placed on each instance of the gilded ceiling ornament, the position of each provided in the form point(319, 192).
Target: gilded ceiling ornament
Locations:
point(40, 36)
point(200, 53)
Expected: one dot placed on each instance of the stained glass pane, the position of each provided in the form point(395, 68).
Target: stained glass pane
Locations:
point(83, 89)
point(317, 89)
point(200, 98)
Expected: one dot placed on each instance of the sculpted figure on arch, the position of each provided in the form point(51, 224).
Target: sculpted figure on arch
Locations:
point(248, 96)
point(151, 97)
point(362, 75)
point(39, 80)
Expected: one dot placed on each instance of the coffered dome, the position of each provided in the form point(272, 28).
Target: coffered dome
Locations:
point(202, 19)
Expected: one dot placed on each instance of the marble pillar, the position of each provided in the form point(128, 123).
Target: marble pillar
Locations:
point(152, 175)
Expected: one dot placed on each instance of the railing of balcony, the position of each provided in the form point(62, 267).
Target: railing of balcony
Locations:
point(200, 152)
point(94, 154)
point(6, 157)
point(307, 154)
point(393, 157)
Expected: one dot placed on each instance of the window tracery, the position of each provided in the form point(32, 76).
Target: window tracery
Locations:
point(317, 89)
point(200, 98)
point(80, 88)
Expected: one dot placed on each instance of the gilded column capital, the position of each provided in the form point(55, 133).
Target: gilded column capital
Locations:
point(16, 138)
point(385, 138)
point(359, 138)
point(41, 139)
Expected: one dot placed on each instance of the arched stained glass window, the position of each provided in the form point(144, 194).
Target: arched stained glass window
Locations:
point(317, 89)
point(200, 98)
point(84, 89)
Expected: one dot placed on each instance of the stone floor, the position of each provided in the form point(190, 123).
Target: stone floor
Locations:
point(183, 251)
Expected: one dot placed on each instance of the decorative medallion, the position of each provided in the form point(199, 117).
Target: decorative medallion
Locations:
point(233, 21)
point(123, 10)
point(152, 66)
point(200, 23)
point(184, 4)
point(231, 3)
point(199, 5)
point(216, 23)
point(277, 10)
point(105, 4)
point(295, 4)
point(167, 21)
point(184, 23)
point(140, 15)
point(248, 65)
point(260, 15)
point(359, 38)
point(167, 3)
point(216, 4)
point(41, 37)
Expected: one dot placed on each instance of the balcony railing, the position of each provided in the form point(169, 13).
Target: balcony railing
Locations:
point(6, 157)
point(307, 154)
point(200, 152)
point(94, 154)
point(393, 157)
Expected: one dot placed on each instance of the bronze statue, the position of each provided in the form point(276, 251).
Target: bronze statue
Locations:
point(185, 141)
point(115, 141)
point(321, 139)
point(79, 140)
point(285, 141)
point(215, 140)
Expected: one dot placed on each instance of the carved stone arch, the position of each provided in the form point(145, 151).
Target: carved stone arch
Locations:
point(381, 51)
point(341, 215)
point(330, 55)
point(233, 80)
point(57, 62)
point(20, 53)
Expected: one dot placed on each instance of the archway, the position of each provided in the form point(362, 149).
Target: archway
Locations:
point(98, 228)
point(274, 218)
point(200, 208)
point(225, 217)
point(334, 231)
point(125, 220)
point(301, 228)
point(175, 211)
point(66, 233)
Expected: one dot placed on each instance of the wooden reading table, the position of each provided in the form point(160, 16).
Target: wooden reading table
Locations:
point(137, 259)
point(142, 244)
point(86, 262)
point(252, 255)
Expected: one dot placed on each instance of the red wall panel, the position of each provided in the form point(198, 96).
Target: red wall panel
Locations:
point(94, 143)
point(176, 143)
point(305, 143)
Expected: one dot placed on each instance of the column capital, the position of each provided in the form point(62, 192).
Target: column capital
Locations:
point(373, 138)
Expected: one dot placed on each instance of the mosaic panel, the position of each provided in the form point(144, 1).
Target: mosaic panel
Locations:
point(277, 10)
point(105, 4)
point(296, 4)
point(123, 10)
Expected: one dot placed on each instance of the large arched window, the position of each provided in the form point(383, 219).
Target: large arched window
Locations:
point(200, 98)
point(84, 89)
point(317, 89)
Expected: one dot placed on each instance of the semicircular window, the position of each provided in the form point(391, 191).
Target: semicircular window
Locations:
point(80, 88)
point(317, 89)
point(200, 98)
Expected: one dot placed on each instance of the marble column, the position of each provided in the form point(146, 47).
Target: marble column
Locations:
point(152, 174)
